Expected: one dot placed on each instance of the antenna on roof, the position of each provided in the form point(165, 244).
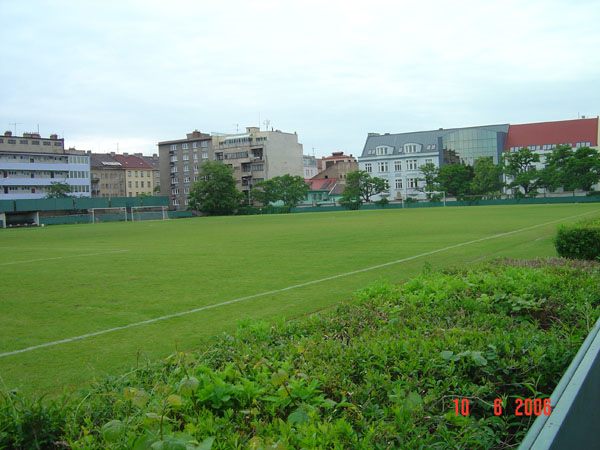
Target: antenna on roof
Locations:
point(15, 125)
point(266, 123)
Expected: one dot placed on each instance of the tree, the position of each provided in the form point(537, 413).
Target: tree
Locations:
point(519, 166)
point(286, 188)
point(583, 170)
point(361, 186)
point(430, 173)
point(455, 179)
point(554, 175)
point(58, 190)
point(215, 192)
point(487, 177)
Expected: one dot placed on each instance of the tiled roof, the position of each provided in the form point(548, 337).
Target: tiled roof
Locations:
point(103, 161)
point(558, 132)
point(321, 184)
point(133, 162)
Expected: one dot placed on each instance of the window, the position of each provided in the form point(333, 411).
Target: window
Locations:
point(184, 146)
point(383, 166)
point(412, 183)
point(35, 142)
point(47, 143)
point(194, 145)
point(410, 148)
point(137, 184)
point(398, 183)
point(173, 146)
point(411, 164)
point(24, 141)
point(142, 184)
point(368, 168)
point(57, 144)
point(136, 173)
point(12, 141)
point(186, 157)
point(258, 167)
point(429, 161)
point(186, 168)
point(205, 155)
point(397, 166)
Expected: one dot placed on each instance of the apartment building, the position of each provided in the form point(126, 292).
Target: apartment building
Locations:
point(108, 175)
point(179, 165)
point(257, 155)
point(310, 166)
point(398, 157)
point(29, 164)
point(154, 161)
point(138, 175)
point(336, 157)
point(254, 156)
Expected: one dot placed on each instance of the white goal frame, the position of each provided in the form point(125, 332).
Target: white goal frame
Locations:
point(437, 192)
point(163, 209)
point(117, 209)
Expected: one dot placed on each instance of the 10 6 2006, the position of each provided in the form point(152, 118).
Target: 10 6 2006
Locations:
point(519, 407)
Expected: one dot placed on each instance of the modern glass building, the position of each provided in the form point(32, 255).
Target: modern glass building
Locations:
point(468, 144)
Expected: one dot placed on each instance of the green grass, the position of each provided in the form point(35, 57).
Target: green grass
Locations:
point(178, 265)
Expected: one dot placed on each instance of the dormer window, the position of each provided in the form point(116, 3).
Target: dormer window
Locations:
point(384, 150)
point(412, 148)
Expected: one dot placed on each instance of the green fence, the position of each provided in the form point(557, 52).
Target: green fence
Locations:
point(79, 203)
point(507, 201)
point(65, 220)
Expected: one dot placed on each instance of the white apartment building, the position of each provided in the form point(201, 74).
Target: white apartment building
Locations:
point(29, 164)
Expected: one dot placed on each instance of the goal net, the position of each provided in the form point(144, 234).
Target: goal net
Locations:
point(108, 215)
point(149, 213)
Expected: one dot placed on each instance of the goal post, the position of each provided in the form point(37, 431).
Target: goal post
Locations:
point(440, 194)
point(149, 213)
point(116, 214)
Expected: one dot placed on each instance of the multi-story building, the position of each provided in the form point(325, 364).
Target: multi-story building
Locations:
point(258, 155)
point(254, 156)
point(29, 164)
point(398, 157)
point(543, 137)
point(180, 162)
point(108, 175)
point(154, 161)
point(138, 175)
point(336, 157)
point(310, 166)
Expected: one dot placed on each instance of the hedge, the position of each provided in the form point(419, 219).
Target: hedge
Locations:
point(579, 241)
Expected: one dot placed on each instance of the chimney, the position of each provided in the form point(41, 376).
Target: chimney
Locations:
point(112, 153)
point(8, 133)
point(138, 154)
point(54, 136)
point(194, 134)
point(125, 154)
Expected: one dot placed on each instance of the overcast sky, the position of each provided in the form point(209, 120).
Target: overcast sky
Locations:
point(138, 72)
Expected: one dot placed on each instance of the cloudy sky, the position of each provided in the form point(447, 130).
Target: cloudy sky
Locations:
point(137, 72)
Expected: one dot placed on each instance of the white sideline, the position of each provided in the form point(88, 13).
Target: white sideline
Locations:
point(61, 257)
point(275, 291)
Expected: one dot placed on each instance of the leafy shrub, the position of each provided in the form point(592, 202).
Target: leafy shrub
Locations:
point(383, 202)
point(579, 241)
point(380, 371)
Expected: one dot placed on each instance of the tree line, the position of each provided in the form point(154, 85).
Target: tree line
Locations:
point(571, 169)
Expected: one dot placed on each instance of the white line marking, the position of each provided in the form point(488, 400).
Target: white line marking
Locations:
point(61, 257)
point(275, 291)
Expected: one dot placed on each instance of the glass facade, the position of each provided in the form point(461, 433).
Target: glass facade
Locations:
point(472, 143)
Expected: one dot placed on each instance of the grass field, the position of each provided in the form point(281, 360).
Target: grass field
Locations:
point(66, 281)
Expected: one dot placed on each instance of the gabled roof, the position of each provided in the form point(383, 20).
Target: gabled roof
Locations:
point(133, 162)
point(104, 161)
point(557, 132)
point(321, 184)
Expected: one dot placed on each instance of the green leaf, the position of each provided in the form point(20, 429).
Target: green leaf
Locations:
point(298, 417)
point(113, 431)
point(478, 359)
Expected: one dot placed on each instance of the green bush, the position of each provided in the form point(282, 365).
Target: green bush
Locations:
point(579, 241)
point(379, 371)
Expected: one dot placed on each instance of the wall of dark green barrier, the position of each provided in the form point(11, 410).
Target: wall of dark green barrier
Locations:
point(76, 203)
point(507, 201)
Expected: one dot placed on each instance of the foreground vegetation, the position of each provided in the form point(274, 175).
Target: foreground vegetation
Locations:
point(580, 240)
point(380, 371)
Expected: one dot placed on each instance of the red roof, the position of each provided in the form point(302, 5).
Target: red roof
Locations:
point(133, 162)
point(321, 184)
point(560, 132)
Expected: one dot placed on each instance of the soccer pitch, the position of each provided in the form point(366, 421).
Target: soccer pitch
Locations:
point(81, 301)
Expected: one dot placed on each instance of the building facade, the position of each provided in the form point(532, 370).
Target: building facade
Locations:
point(398, 157)
point(310, 166)
point(108, 175)
point(138, 175)
point(258, 155)
point(543, 137)
point(254, 156)
point(336, 157)
point(179, 163)
point(154, 161)
point(29, 164)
